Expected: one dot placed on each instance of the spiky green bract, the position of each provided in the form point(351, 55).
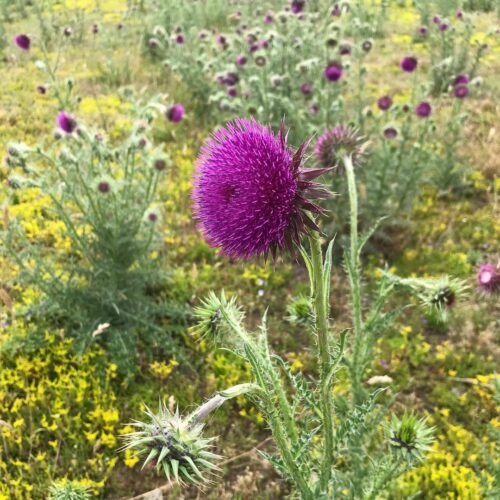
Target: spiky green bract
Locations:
point(410, 437)
point(216, 317)
point(69, 490)
point(300, 311)
point(174, 445)
point(436, 295)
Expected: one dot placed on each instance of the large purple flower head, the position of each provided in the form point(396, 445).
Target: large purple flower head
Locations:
point(251, 191)
point(66, 122)
point(338, 142)
point(23, 41)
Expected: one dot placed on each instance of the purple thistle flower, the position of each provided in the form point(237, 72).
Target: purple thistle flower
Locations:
point(104, 187)
point(95, 29)
point(297, 6)
point(263, 44)
point(66, 122)
point(384, 103)
point(23, 42)
point(336, 143)
point(152, 217)
point(241, 60)
point(306, 88)
point(422, 30)
point(488, 278)
point(314, 108)
point(250, 191)
point(336, 11)
point(390, 133)
point(175, 113)
point(268, 19)
point(459, 14)
point(232, 92)
point(160, 164)
point(344, 49)
point(436, 19)
point(41, 89)
point(333, 72)
point(179, 39)
point(461, 79)
point(444, 26)
point(409, 64)
point(461, 91)
point(221, 39)
point(367, 45)
point(423, 110)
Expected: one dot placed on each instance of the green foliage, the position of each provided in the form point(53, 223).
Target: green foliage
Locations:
point(68, 490)
point(102, 281)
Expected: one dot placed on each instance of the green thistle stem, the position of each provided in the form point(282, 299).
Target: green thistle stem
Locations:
point(355, 283)
point(321, 313)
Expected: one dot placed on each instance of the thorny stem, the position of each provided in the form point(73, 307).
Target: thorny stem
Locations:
point(355, 282)
point(321, 312)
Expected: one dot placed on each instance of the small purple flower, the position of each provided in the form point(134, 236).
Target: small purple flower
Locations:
point(384, 103)
point(241, 60)
point(179, 39)
point(409, 64)
point(268, 19)
point(313, 108)
point(436, 19)
point(422, 30)
point(175, 113)
point(444, 26)
point(41, 89)
point(462, 79)
point(461, 91)
point(152, 217)
point(232, 92)
point(336, 11)
point(104, 187)
point(345, 49)
point(390, 133)
point(66, 122)
point(23, 42)
point(160, 164)
point(488, 278)
point(250, 191)
point(221, 39)
point(95, 29)
point(333, 72)
point(459, 14)
point(306, 88)
point(423, 110)
point(367, 45)
point(253, 48)
point(264, 44)
point(297, 6)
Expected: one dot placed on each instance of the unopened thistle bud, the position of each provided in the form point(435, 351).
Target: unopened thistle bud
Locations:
point(173, 445)
point(300, 312)
point(410, 437)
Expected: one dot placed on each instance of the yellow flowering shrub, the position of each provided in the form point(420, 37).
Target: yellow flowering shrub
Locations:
point(57, 416)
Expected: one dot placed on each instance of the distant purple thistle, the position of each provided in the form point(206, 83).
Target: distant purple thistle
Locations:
point(104, 187)
point(436, 19)
point(444, 26)
point(66, 122)
point(488, 278)
point(384, 103)
point(41, 89)
point(179, 39)
point(314, 108)
point(250, 191)
point(462, 79)
point(241, 60)
point(336, 143)
point(423, 110)
point(367, 45)
point(23, 42)
point(306, 88)
point(333, 72)
point(336, 11)
point(264, 44)
point(297, 6)
point(95, 29)
point(175, 113)
point(221, 39)
point(268, 19)
point(459, 14)
point(232, 92)
point(152, 217)
point(345, 49)
point(461, 91)
point(409, 64)
point(423, 30)
point(390, 133)
point(160, 164)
